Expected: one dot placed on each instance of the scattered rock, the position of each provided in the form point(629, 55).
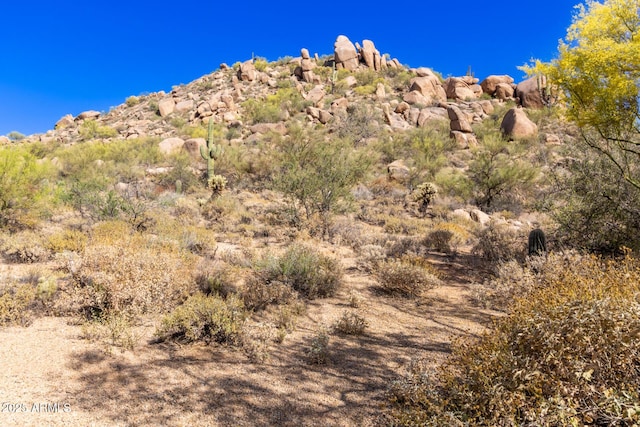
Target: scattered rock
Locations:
point(88, 115)
point(398, 171)
point(517, 125)
point(528, 93)
point(166, 106)
point(64, 122)
point(171, 145)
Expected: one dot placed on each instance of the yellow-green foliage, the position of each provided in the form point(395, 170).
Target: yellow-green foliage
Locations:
point(109, 161)
point(205, 318)
point(24, 184)
point(271, 108)
point(66, 240)
point(260, 64)
point(132, 100)
point(566, 354)
point(15, 299)
point(499, 171)
point(598, 71)
point(447, 237)
point(90, 129)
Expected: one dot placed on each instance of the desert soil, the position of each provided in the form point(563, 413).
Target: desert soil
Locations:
point(52, 376)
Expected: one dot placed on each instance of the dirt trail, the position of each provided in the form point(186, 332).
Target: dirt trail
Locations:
point(51, 376)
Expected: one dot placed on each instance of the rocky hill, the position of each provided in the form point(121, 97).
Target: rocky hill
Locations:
point(406, 98)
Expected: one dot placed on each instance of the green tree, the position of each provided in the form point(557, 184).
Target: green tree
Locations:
point(22, 183)
point(598, 73)
point(499, 171)
point(318, 174)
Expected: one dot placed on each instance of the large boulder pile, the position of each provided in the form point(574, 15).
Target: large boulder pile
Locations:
point(350, 56)
point(221, 95)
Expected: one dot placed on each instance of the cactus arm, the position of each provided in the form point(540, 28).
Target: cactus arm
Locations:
point(204, 152)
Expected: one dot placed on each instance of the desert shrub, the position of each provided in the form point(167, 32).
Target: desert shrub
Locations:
point(91, 129)
point(180, 170)
point(408, 276)
point(512, 280)
point(25, 247)
point(15, 136)
point(113, 329)
point(250, 167)
point(399, 78)
point(197, 240)
point(132, 101)
point(258, 293)
point(357, 123)
point(287, 314)
point(566, 354)
point(356, 299)
point(318, 347)
point(66, 240)
point(350, 323)
point(398, 225)
point(397, 248)
point(205, 318)
point(109, 162)
point(274, 107)
point(498, 243)
point(260, 64)
point(215, 278)
point(15, 300)
point(132, 276)
point(255, 342)
point(304, 269)
point(97, 202)
point(453, 182)
point(447, 237)
point(595, 208)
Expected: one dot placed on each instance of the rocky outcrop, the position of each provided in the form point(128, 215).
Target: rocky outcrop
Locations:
point(64, 122)
point(425, 88)
point(345, 54)
point(462, 88)
point(370, 55)
point(490, 84)
point(460, 126)
point(247, 71)
point(307, 65)
point(88, 115)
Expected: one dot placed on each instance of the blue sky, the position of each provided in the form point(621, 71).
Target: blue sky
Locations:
point(65, 57)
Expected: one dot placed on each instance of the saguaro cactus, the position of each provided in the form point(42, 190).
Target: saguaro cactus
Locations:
point(211, 152)
point(537, 243)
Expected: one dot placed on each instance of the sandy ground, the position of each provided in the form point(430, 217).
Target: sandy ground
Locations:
point(52, 376)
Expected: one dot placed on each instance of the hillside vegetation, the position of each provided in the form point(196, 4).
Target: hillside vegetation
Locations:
point(240, 208)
